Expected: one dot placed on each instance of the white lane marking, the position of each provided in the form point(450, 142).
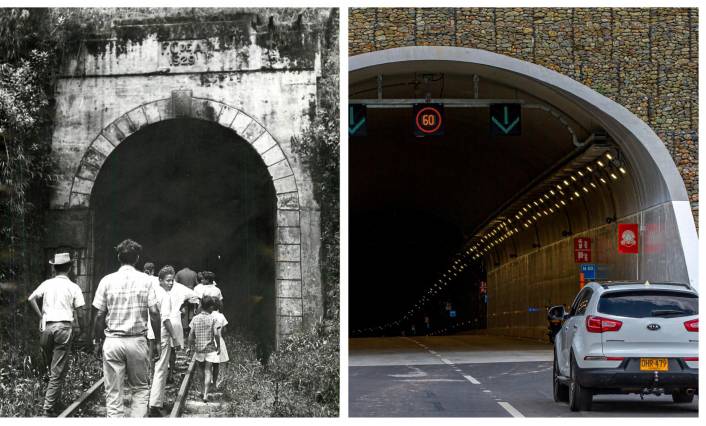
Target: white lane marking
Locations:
point(510, 409)
point(446, 361)
point(415, 373)
point(431, 380)
point(486, 391)
point(473, 380)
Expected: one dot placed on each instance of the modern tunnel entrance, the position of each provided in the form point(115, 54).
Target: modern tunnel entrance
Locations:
point(194, 194)
point(467, 222)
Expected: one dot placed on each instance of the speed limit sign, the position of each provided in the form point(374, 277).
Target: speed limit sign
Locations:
point(428, 120)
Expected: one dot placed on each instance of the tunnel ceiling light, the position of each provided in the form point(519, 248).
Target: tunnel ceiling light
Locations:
point(622, 170)
point(580, 173)
point(562, 202)
point(600, 163)
point(589, 169)
point(613, 176)
point(566, 182)
point(593, 184)
point(545, 212)
point(608, 156)
point(551, 191)
point(547, 196)
point(585, 189)
point(602, 180)
point(573, 178)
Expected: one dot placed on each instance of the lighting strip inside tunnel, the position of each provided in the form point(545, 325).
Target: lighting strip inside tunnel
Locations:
point(599, 165)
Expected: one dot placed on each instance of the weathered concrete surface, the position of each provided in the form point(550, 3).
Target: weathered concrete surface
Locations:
point(261, 88)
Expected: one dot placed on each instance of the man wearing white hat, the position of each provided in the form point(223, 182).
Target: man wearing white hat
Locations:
point(60, 297)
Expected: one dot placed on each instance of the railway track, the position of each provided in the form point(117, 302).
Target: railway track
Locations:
point(91, 403)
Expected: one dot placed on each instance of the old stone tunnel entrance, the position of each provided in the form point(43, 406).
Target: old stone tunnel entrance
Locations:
point(193, 193)
point(194, 160)
point(438, 220)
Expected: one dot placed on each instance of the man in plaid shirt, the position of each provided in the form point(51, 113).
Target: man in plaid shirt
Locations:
point(122, 301)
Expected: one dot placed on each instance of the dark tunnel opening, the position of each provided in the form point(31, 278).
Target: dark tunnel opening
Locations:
point(415, 201)
point(194, 194)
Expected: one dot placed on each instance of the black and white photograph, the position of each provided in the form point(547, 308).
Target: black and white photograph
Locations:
point(169, 210)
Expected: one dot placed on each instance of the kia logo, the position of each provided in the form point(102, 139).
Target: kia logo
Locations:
point(653, 327)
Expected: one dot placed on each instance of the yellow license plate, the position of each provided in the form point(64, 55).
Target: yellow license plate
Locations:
point(654, 364)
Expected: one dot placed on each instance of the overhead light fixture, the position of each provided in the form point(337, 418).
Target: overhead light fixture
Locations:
point(589, 169)
point(600, 163)
point(613, 176)
point(622, 170)
point(608, 156)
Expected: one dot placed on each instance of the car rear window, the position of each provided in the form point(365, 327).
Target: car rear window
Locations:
point(649, 303)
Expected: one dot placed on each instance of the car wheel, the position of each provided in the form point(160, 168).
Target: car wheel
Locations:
point(682, 397)
point(580, 398)
point(561, 391)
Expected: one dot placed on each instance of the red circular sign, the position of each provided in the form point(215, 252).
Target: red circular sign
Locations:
point(428, 120)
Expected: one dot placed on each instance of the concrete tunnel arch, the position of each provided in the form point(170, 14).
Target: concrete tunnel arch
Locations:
point(656, 179)
point(287, 229)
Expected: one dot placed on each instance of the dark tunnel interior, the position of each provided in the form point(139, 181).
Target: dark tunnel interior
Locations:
point(415, 201)
point(194, 194)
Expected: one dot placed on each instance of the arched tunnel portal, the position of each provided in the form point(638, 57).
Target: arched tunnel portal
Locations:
point(433, 219)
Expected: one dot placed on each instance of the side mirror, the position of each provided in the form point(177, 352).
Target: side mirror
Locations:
point(556, 313)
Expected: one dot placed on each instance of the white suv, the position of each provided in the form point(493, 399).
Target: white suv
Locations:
point(627, 337)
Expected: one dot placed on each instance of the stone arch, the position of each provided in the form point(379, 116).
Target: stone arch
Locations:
point(289, 279)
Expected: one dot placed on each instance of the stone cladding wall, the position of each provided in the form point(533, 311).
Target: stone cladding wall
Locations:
point(644, 59)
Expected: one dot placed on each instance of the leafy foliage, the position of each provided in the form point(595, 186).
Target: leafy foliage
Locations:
point(299, 380)
point(319, 147)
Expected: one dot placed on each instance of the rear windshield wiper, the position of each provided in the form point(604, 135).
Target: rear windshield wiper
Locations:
point(666, 312)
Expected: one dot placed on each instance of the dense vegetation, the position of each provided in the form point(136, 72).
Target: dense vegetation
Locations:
point(300, 379)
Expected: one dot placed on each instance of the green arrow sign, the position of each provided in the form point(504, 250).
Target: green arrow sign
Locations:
point(505, 120)
point(357, 118)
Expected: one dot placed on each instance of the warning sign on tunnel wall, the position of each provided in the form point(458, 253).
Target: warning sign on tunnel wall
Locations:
point(582, 250)
point(628, 235)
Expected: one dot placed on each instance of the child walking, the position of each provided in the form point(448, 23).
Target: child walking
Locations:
point(206, 341)
point(221, 323)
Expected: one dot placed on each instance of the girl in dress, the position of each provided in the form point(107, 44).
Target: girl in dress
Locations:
point(220, 322)
point(206, 341)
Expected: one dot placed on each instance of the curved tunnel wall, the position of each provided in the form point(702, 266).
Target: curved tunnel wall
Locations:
point(535, 267)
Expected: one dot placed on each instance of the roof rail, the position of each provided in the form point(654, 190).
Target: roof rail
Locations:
point(609, 284)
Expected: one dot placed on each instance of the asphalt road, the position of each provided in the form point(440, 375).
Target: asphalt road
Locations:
point(473, 376)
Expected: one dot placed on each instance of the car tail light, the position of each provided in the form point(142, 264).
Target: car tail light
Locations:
point(691, 358)
point(692, 325)
point(601, 325)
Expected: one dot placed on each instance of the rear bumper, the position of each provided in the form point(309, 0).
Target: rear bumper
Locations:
point(629, 378)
